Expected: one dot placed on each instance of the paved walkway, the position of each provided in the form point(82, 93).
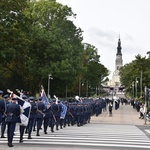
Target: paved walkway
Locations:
point(124, 115)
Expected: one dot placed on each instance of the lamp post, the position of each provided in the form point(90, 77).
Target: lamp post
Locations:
point(136, 87)
point(133, 88)
point(49, 78)
point(136, 82)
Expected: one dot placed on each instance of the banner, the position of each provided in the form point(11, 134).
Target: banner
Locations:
point(25, 109)
point(64, 110)
point(45, 100)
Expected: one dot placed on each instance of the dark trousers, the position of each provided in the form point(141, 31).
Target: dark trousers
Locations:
point(3, 127)
point(46, 123)
point(39, 124)
point(10, 131)
point(21, 129)
point(30, 126)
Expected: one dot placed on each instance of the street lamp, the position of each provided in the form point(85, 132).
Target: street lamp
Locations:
point(133, 88)
point(136, 81)
point(49, 78)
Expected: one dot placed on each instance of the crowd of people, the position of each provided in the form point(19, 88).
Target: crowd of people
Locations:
point(77, 112)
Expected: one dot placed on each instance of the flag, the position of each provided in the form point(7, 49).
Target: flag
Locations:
point(64, 110)
point(45, 100)
point(25, 109)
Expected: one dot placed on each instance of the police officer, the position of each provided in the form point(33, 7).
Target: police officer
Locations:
point(52, 121)
point(47, 117)
point(2, 106)
point(3, 125)
point(12, 116)
point(40, 114)
point(56, 111)
point(79, 112)
point(22, 127)
point(32, 116)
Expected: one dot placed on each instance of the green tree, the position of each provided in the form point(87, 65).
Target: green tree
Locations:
point(13, 43)
point(132, 71)
point(56, 44)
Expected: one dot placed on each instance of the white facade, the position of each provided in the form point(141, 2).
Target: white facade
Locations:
point(115, 82)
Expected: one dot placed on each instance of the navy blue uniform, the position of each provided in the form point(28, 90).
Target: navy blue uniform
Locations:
point(56, 111)
point(32, 118)
point(2, 109)
point(3, 125)
point(40, 115)
point(79, 112)
point(52, 120)
point(12, 117)
point(47, 118)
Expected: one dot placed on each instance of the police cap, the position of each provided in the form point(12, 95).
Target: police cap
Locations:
point(1, 92)
point(40, 98)
point(24, 97)
point(14, 99)
point(31, 98)
point(6, 96)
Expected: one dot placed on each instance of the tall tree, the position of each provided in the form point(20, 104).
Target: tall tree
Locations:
point(56, 43)
point(13, 42)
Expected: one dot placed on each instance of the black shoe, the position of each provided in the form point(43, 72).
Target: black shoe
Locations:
point(29, 137)
point(52, 130)
point(10, 145)
point(37, 135)
point(21, 141)
point(45, 132)
point(3, 136)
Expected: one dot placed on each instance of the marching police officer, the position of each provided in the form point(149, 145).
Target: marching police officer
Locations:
point(22, 127)
point(3, 125)
point(2, 106)
point(40, 114)
point(52, 121)
point(12, 116)
point(32, 116)
point(47, 117)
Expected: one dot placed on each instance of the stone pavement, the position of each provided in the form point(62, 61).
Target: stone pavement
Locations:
point(126, 115)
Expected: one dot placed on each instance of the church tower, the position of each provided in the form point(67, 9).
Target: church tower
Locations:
point(114, 86)
point(119, 61)
point(118, 64)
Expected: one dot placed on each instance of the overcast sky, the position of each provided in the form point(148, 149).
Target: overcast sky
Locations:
point(103, 20)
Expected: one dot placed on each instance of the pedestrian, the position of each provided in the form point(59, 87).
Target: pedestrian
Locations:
point(12, 116)
point(141, 111)
point(110, 108)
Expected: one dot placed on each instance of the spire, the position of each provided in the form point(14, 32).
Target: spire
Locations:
point(119, 47)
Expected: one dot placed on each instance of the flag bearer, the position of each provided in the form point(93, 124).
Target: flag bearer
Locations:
point(22, 127)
